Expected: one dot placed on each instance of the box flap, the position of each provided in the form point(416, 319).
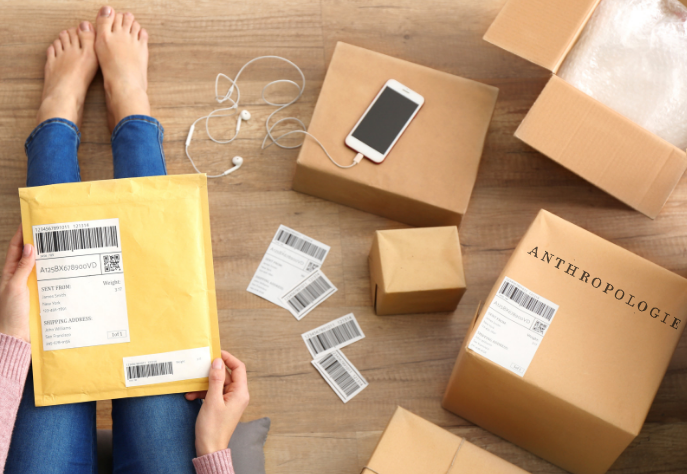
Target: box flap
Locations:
point(603, 147)
point(541, 31)
point(436, 159)
point(411, 444)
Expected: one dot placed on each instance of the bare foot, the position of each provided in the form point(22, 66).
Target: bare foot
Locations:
point(69, 69)
point(122, 48)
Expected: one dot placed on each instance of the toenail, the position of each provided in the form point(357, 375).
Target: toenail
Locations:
point(84, 26)
point(105, 11)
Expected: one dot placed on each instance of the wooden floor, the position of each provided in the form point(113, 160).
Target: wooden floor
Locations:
point(406, 359)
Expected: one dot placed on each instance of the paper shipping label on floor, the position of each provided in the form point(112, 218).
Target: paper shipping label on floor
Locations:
point(513, 326)
point(334, 335)
point(81, 291)
point(308, 294)
point(290, 258)
point(167, 367)
point(340, 374)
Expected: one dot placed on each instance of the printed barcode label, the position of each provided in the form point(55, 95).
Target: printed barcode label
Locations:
point(300, 244)
point(340, 374)
point(149, 370)
point(76, 239)
point(513, 326)
point(528, 302)
point(334, 335)
point(309, 293)
point(167, 367)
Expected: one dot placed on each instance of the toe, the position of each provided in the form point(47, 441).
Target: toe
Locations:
point(127, 21)
point(86, 34)
point(50, 53)
point(135, 29)
point(57, 44)
point(119, 18)
point(143, 35)
point(73, 37)
point(103, 23)
point(64, 38)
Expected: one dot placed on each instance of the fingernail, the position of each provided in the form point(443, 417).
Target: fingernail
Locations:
point(85, 26)
point(28, 249)
point(105, 11)
point(217, 363)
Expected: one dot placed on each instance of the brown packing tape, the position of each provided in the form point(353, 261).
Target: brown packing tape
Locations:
point(448, 471)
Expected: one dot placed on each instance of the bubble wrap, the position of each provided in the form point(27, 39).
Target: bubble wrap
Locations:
point(632, 56)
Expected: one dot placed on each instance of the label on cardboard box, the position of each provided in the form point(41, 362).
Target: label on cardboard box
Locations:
point(81, 290)
point(513, 326)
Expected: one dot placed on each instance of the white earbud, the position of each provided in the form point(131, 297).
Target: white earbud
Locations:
point(244, 115)
point(237, 161)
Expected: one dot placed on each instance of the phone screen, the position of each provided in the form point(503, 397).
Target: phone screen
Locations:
point(385, 120)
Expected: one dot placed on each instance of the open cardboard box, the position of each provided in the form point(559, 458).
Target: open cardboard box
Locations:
point(573, 386)
point(575, 130)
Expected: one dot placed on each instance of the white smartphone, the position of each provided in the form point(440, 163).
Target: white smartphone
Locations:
point(384, 121)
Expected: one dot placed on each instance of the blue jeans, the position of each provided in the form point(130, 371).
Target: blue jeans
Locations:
point(150, 434)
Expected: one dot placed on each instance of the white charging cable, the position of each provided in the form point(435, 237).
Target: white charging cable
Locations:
point(245, 115)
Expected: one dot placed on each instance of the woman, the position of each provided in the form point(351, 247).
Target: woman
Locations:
point(161, 434)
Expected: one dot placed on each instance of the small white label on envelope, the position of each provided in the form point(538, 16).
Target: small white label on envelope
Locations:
point(290, 257)
point(81, 290)
point(167, 367)
point(513, 326)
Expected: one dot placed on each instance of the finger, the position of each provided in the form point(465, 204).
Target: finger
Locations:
point(238, 369)
point(25, 265)
point(13, 255)
point(190, 396)
point(216, 382)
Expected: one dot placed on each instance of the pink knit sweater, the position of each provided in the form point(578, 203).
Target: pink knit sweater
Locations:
point(15, 357)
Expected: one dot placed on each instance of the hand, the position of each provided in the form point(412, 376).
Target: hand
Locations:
point(14, 294)
point(226, 399)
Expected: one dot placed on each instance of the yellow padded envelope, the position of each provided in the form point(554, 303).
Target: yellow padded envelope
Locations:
point(123, 294)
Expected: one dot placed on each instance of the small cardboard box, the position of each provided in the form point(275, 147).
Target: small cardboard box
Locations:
point(416, 270)
point(413, 445)
point(575, 130)
point(427, 178)
point(566, 357)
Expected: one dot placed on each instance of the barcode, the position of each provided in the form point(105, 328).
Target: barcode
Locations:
point(340, 376)
point(310, 293)
point(526, 301)
point(333, 337)
point(301, 245)
point(76, 239)
point(149, 370)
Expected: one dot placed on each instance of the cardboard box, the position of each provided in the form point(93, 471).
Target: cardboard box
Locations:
point(572, 378)
point(427, 178)
point(412, 445)
point(416, 270)
point(575, 130)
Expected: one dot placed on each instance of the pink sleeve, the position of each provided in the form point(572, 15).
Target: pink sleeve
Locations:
point(214, 463)
point(15, 357)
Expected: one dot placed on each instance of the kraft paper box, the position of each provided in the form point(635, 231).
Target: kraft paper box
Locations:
point(416, 270)
point(123, 293)
point(580, 133)
point(427, 178)
point(412, 445)
point(567, 354)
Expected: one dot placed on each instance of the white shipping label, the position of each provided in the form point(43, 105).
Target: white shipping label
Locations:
point(334, 335)
point(290, 257)
point(513, 326)
point(80, 276)
point(167, 367)
point(340, 374)
point(307, 294)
